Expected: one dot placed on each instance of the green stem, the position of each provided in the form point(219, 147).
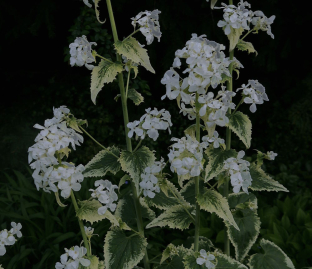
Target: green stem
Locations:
point(132, 34)
point(84, 236)
point(103, 58)
point(240, 102)
point(138, 145)
point(197, 217)
point(128, 79)
point(246, 34)
point(126, 121)
point(228, 146)
point(98, 142)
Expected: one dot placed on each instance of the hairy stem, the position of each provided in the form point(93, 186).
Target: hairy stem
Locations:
point(126, 121)
point(83, 233)
point(197, 217)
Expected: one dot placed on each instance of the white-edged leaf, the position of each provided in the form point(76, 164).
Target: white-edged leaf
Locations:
point(172, 257)
point(225, 261)
point(105, 72)
point(121, 251)
point(88, 211)
point(123, 181)
point(131, 49)
point(188, 191)
point(216, 161)
point(273, 258)
point(101, 265)
point(246, 46)
point(235, 199)
point(135, 96)
point(263, 182)
point(175, 217)
point(102, 163)
point(97, 12)
point(191, 130)
point(234, 37)
point(240, 124)
point(214, 202)
point(135, 162)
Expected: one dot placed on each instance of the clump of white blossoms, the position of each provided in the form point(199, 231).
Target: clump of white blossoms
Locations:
point(206, 259)
point(150, 123)
point(214, 139)
point(239, 172)
point(271, 155)
point(45, 156)
point(72, 258)
point(106, 195)
point(7, 238)
point(148, 24)
point(149, 183)
point(239, 17)
point(186, 156)
point(81, 52)
point(254, 94)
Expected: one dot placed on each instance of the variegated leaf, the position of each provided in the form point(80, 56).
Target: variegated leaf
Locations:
point(273, 258)
point(190, 260)
point(94, 262)
point(240, 124)
point(212, 201)
point(263, 182)
point(175, 217)
point(172, 257)
point(234, 37)
point(88, 211)
point(135, 162)
point(97, 12)
point(105, 72)
point(191, 130)
point(121, 251)
point(135, 96)
point(131, 49)
point(103, 162)
point(188, 191)
point(225, 261)
point(235, 199)
point(101, 265)
point(246, 46)
point(216, 161)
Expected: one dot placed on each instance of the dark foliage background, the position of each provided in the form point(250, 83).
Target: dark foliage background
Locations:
point(36, 76)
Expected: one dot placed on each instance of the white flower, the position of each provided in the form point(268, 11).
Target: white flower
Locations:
point(81, 52)
point(215, 139)
point(7, 237)
point(218, 118)
point(87, 3)
point(271, 155)
point(263, 23)
point(72, 258)
point(89, 231)
point(149, 24)
point(205, 259)
point(133, 126)
point(16, 229)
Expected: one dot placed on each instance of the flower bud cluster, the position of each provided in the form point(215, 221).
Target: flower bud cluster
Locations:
point(105, 193)
point(150, 123)
point(186, 156)
point(206, 259)
point(88, 231)
point(254, 94)
point(52, 142)
point(7, 238)
point(239, 172)
point(72, 258)
point(237, 17)
point(81, 52)
point(149, 24)
point(149, 183)
point(214, 139)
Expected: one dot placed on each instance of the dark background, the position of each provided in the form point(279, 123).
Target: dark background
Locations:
point(36, 76)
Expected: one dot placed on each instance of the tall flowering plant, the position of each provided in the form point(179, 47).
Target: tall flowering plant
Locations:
point(200, 80)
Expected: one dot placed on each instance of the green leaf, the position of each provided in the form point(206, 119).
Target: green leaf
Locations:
point(239, 198)
point(273, 258)
point(135, 162)
point(216, 161)
point(176, 255)
point(234, 37)
point(97, 12)
point(225, 261)
point(175, 217)
point(136, 97)
point(88, 211)
point(121, 251)
point(131, 49)
point(123, 181)
point(101, 265)
point(263, 182)
point(105, 72)
point(241, 125)
point(103, 162)
point(191, 130)
point(188, 191)
point(94, 262)
point(246, 46)
point(190, 260)
point(212, 201)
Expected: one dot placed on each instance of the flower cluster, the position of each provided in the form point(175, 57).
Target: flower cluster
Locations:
point(7, 237)
point(239, 17)
point(239, 172)
point(206, 259)
point(149, 179)
point(186, 156)
point(150, 123)
point(81, 52)
point(105, 193)
point(214, 139)
point(72, 258)
point(52, 143)
point(149, 24)
point(89, 231)
point(254, 94)
point(271, 155)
